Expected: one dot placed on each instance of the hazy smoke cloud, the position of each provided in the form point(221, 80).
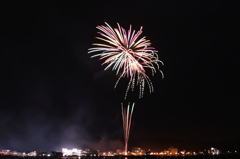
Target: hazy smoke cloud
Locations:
point(105, 144)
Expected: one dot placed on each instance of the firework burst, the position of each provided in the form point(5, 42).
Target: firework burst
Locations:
point(128, 55)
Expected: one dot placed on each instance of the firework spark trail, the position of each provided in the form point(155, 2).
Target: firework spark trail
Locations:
point(127, 55)
point(127, 118)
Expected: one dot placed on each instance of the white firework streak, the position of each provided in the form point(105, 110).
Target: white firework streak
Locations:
point(127, 119)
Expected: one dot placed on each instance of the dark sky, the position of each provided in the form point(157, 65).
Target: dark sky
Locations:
point(54, 95)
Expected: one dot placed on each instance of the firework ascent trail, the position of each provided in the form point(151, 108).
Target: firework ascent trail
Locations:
point(128, 55)
point(127, 118)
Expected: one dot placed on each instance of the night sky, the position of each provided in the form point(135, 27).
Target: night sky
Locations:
point(54, 95)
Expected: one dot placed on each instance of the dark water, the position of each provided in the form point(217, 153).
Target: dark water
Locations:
point(133, 157)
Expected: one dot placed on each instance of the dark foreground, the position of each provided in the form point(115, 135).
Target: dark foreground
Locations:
point(132, 157)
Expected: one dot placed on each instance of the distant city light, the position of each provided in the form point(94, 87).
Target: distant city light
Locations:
point(135, 151)
point(214, 151)
point(73, 152)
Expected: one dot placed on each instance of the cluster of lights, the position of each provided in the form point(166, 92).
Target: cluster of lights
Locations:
point(72, 152)
point(109, 153)
point(15, 153)
point(214, 151)
point(135, 152)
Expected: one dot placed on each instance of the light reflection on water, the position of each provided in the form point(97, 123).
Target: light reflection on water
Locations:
point(131, 157)
point(167, 157)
